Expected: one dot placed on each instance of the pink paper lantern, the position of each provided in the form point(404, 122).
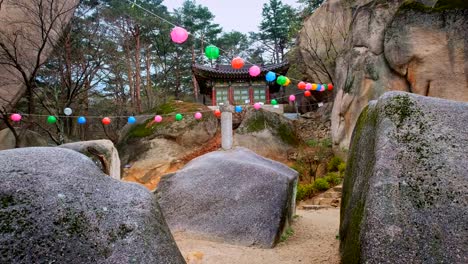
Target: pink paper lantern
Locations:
point(308, 86)
point(158, 119)
point(254, 71)
point(15, 117)
point(292, 98)
point(257, 106)
point(179, 35)
point(198, 115)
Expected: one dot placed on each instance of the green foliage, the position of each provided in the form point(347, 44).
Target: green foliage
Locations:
point(334, 163)
point(280, 22)
point(321, 184)
point(287, 234)
point(342, 168)
point(333, 178)
point(304, 191)
point(326, 143)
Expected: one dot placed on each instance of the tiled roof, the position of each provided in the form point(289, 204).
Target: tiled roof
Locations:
point(227, 72)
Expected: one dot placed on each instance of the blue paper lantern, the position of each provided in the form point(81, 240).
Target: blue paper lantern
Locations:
point(81, 120)
point(131, 120)
point(270, 76)
point(238, 109)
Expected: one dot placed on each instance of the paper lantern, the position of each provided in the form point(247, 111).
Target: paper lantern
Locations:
point(51, 119)
point(255, 71)
point(288, 82)
point(15, 117)
point(212, 52)
point(179, 117)
point(307, 93)
point(217, 113)
point(274, 102)
point(237, 63)
point(330, 86)
point(81, 120)
point(308, 87)
point(67, 111)
point(131, 120)
point(198, 115)
point(301, 85)
point(238, 109)
point(179, 35)
point(158, 119)
point(281, 80)
point(270, 76)
point(314, 86)
point(257, 106)
point(325, 87)
point(292, 98)
point(106, 121)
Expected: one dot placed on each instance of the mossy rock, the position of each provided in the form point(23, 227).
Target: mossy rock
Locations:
point(257, 121)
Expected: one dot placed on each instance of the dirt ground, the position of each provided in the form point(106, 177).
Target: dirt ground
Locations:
point(315, 241)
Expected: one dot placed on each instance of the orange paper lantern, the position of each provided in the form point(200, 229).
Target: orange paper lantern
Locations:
point(237, 63)
point(301, 85)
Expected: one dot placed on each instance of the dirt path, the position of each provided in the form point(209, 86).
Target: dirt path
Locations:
point(314, 241)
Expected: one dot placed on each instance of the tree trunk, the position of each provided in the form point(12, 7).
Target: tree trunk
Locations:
point(194, 80)
point(149, 91)
point(137, 69)
point(130, 75)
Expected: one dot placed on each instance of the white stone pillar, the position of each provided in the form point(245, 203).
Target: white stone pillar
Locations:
point(226, 127)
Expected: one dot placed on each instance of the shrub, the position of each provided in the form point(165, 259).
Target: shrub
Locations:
point(333, 178)
point(321, 184)
point(304, 191)
point(342, 168)
point(333, 164)
point(287, 234)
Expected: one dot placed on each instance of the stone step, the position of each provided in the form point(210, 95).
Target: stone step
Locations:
point(314, 207)
point(338, 188)
point(331, 194)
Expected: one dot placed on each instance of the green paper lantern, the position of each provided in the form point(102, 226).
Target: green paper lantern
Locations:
point(51, 119)
point(281, 80)
point(179, 117)
point(274, 102)
point(212, 52)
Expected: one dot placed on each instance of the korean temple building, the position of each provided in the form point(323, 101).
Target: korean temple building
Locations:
point(222, 84)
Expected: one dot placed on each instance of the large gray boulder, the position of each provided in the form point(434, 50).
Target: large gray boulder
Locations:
point(102, 152)
point(266, 133)
point(405, 190)
point(231, 196)
point(58, 207)
point(27, 138)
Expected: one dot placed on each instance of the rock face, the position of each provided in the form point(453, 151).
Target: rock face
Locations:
point(27, 138)
point(57, 206)
point(266, 133)
point(25, 42)
point(102, 152)
point(234, 196)
point(322, 38)
point(416, 46)
point(153, 149)
point(405, 189)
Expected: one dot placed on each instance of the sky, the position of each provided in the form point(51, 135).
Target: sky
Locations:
point(238, 15)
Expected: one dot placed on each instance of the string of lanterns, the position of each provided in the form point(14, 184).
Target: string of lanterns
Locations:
point(179, 35)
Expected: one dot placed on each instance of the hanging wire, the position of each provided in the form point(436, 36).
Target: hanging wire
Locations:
point(134, 3)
